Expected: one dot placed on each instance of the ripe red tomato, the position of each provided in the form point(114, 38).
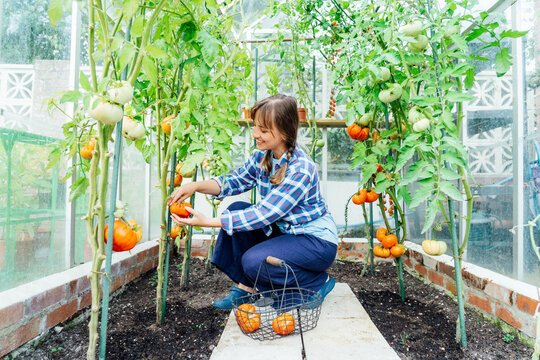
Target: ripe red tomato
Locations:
point(381, 233)
point(364, 134)
point(247, 318)
point(371, 196)
point(397, 250)
point(180, 209)
point(124, 238)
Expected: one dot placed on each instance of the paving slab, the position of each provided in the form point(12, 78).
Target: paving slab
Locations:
point(344, 331)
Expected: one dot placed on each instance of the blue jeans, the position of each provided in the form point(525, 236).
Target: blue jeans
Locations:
point(240, 255)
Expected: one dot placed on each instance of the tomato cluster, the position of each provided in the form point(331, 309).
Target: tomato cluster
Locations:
point(389, 243)
point(365, 195)
point(332, 105)
point(87, 150)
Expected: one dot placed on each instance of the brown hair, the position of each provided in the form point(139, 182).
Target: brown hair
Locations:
point(278, 112)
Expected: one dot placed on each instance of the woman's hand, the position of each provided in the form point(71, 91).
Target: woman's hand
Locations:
point(197, 219)
point(182, 193)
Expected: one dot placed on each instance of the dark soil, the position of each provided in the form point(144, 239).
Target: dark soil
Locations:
point(422, 327)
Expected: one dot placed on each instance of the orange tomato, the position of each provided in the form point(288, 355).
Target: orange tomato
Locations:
point(397, 250)
point(371, 196)
point(381, 252)
point(177, 180)
point(389, 241)
point(360, 197)
point(247, 318)
point(86, 150)
point(283, 324)
point(363, 135)
point(166, 124)
point(354, 130)
point(175, 231)
point(180, 209)
point(124, 238)
point(381, 233)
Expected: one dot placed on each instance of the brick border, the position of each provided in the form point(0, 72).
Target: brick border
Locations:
point(28, 311)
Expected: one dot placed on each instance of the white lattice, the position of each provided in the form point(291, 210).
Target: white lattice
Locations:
point(16, 84)
point(490, 152)
point(491, 92)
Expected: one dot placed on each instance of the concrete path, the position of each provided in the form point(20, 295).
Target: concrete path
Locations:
point(344, 331)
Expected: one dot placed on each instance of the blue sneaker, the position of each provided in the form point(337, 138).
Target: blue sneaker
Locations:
point(327, 287)
point(227, 302)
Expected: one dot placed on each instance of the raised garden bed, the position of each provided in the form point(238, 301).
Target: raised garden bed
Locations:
point(422, 327)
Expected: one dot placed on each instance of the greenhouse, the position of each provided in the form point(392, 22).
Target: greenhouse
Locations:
point(308, 179)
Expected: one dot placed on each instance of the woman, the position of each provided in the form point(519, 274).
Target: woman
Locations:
point(291, 222)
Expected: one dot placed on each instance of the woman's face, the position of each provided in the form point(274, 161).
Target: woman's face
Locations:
point(268, 139)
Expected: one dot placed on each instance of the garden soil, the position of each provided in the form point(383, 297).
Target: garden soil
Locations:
point(421, 327)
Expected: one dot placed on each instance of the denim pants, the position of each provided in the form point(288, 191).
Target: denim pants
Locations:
point(240, 255)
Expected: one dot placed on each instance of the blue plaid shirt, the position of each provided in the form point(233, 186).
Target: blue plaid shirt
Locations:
point(295, 201)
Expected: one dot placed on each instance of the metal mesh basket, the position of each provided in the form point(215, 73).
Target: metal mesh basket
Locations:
point(275, 313)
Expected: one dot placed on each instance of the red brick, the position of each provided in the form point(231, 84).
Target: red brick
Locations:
point(421, 270)
point(20, 336)
point(479, 302)
point(116, 283)
point(472, 280)
point(526, 304)
point(499, 292)
point(133, 274)
point(147, 266)
point(451, 286)
point(127, 264)
point(78, 286)
point(435, 278)
point(62, 313)
point(199, 253)
point(86, 300)
point(407, 263)
point(507, 316)
point(141, 257)
point(446, 269)
point(152, 252)
point(11, 314)
point(44, 300)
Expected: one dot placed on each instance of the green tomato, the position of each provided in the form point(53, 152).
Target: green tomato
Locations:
point(320, 143)
point(412, 29)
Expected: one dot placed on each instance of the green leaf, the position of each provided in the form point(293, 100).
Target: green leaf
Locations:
point(513, 33)
point(54, 156)
point(449, 175)
point(469, 79)
point(431, 213)
point(425, 100)
point(404, 157)
point(55, 12)
point(454, 158)
point(137, 26)
point(192, 160)
point(456, 96)
point(475, 33)
point(78, 188)
point(450, 190)
point(156, 52)
point(129, 8)
point(391, 58)
point(502, 61)
point(70, 96)
point(150, 70)
point(382, 186)
point(84, 82)
point(126, 55)
point(413, 172)
point(404, 194)
point(421, 195)
point(209, 47)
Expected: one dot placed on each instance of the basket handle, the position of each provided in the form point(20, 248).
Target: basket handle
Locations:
point(275, 261)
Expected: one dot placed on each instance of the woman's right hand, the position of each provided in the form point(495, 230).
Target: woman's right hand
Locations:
point(182, 193)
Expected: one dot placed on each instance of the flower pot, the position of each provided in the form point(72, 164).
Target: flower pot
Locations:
point(302, 114)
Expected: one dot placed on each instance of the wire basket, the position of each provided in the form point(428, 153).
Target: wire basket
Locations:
point(275, 313)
